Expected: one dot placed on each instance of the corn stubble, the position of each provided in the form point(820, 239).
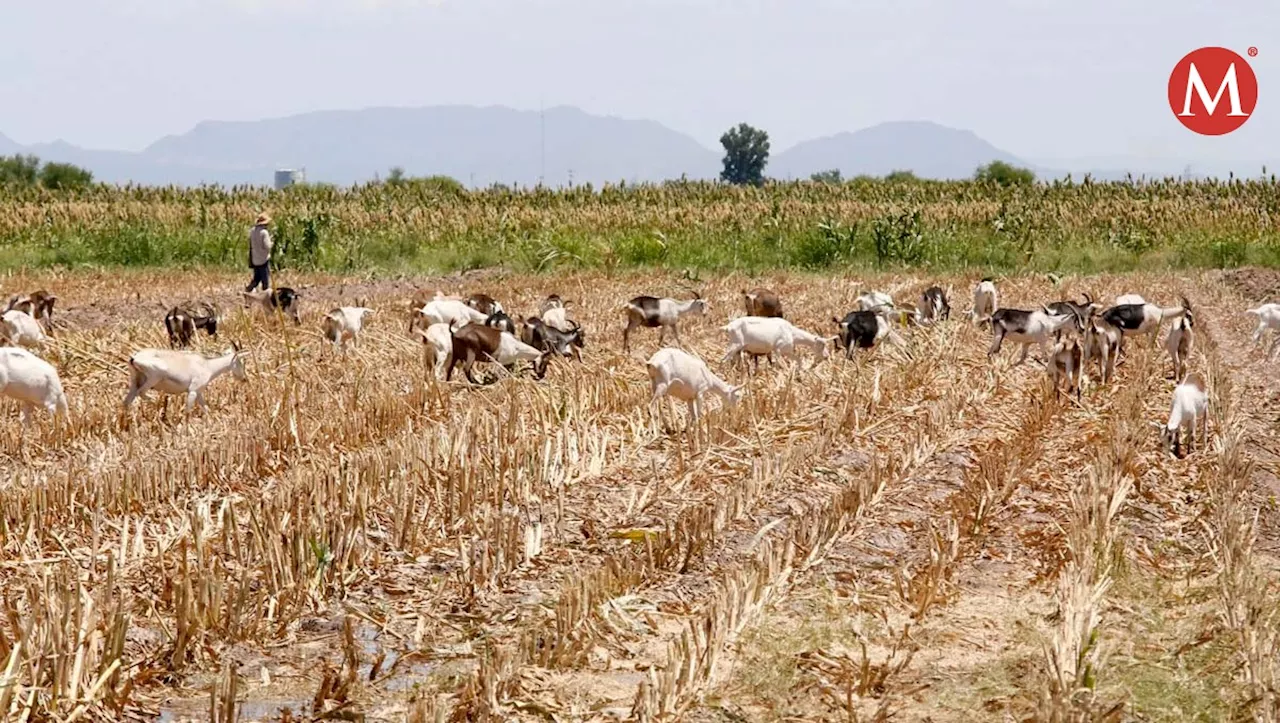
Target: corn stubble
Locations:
point(526, 540)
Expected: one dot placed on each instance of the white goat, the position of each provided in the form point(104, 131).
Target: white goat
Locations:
point(437, 347)
point(180, 372)
point(1268, 318)
point(343, 323)
point(1179, 343)
point(454, 312)
point(678, 374)
point(21, 329)
point(763, 335)
point(873, 300)
point(556, 317)
point(31, 381)
point(1190, 405)
point(984, 302)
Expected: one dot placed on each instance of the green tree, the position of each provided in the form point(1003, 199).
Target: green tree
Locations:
point(746, 152)
point(64, 175)
point(19, 170)
point(1004, 174)
point(831, 176)
point(900, 177)
point(395, 176)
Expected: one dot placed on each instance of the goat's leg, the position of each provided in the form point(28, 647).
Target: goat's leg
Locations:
point(1257, 333)
point(191, 399)
point(137, 389)
point(626, 337)
point(26, 414)
point(1275, 342)
point(1023, 356)
point(996, 343)
point(675, 331)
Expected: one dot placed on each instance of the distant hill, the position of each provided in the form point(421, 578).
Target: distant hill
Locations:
point(477, 146)
point(927, 149)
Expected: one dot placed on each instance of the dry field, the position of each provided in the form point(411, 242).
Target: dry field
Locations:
point(915, 533)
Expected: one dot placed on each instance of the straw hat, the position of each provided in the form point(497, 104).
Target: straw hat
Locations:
point(263, 218)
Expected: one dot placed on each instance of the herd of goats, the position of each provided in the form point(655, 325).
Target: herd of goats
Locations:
point(456, 330)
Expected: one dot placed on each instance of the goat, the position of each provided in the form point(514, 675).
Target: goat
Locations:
point(484, 304)
point(1179, 342)
point(676, 373)
point(283, 299)
point(20, 329)
point(1133, 319)
point(1268, 318)
point(476, 342)
point(1190, 405)
point(1102, 342)
point(1066, 359)
point(556, 317)
point(934, 306)
point(984, 302)
point(1125, 299)
point(180, 372)
point(553, 301)
point(665, 313)
point(500, 320)
point(1027, 328)
point(182, 321)
point(863, 329)
point(343, 323)
point(38, 305)
point(32, 382)
point(454, 312)
point(873, 300)
point(1083, 310)
point(540, 335)
point(762, 302)
point(437, 347)
point(763, 335)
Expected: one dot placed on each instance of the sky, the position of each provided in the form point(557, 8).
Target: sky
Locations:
point(1045, 80)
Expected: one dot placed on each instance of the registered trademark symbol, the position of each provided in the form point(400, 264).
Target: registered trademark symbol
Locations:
point(1253, 52)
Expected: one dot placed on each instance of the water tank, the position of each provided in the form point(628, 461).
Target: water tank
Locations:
point(286, 177)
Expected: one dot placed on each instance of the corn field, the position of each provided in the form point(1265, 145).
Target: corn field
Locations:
point(865, 224)
point(912, 532)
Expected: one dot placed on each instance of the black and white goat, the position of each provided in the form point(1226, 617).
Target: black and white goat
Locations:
point(542, 336)
point(861, 329)
point(500, 320)
point(1132, 319)
point(268, 301)
point(935, 305)
point(183, 320)
point(1084, 310)
point(665, 313)
point(1027, 328)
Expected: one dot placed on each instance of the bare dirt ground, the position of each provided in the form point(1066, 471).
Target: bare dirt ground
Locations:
point(916, 533)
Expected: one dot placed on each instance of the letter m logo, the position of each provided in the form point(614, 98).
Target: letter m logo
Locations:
point(1203, 111)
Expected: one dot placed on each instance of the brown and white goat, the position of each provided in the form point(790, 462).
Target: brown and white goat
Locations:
point(182, 321)
point(762, 302)
point(477, 342)
point(663, 314)
point(38, 305)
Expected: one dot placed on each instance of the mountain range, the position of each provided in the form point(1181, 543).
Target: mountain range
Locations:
point(480, 146)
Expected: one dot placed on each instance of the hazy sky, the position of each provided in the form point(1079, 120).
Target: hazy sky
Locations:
point(1044, 80)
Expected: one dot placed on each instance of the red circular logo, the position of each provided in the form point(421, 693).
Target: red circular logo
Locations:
point(1213, 91)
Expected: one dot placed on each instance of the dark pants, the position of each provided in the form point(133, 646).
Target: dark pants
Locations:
point(261, 275)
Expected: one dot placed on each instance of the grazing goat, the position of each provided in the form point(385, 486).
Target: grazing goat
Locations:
point(762, 302)
point(984, 302)
point(500, 320)
point(344, 323)
point(38, 305)
point(1084, 310)
point(935, 305)
point(873, 300)
point(1190, 405)
point(763, 335)
point(484, 304)
point(665, 313)
point(180, 372)
point(32, 382)
point(676, 373)
point(1179, 343)
point(477, 342)
point(454, 312)
point(1268, 318)
point(1102, 342)
point(863, 329)
point(437, 347)
point(182, 321)
point(556, 317)
point(1066, 359)
point(20, 329)
point(1133, 319)
point(540, 335)
point(1027, 328)
point(283, 299)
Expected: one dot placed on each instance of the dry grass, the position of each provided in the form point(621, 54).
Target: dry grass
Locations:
point(914, 531)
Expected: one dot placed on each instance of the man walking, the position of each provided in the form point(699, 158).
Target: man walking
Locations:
point(260, 253)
